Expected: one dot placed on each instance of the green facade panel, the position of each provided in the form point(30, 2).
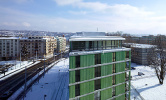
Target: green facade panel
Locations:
point(86, 74)
point(106, 82)
point(120, 55)
point(85, 88)
point(88, 97)
point(106, 58)
point(72, 62)
point(72, 91)
point(120, 78)
point(72, 77)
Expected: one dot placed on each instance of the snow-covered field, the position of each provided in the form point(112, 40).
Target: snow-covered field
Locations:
point(54, 86)
point(147, 85)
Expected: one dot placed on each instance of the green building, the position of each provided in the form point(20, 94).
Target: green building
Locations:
point(99, 67)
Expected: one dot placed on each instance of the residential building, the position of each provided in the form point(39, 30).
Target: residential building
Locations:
point(9, 48)
point(139, 52)
point(38, 46)
point(99, 67)
point(61, 44)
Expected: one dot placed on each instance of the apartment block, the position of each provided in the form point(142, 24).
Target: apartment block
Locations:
point(99, 67)
point(9, 48)
point(139, 52)
point(38, 46)
point(61, 44)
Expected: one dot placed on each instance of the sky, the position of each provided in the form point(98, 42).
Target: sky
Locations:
point(128, 16)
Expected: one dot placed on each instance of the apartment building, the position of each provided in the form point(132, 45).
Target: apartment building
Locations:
point(38, 46)
point(61, 44)
point(139, 52)
point(9, 48)
point(99, 67)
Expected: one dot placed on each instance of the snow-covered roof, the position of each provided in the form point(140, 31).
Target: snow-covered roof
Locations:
point(140, 45)
point(90, 34)
point(95, 38)
point(5, 38)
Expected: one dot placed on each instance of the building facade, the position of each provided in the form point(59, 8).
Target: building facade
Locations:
point(61, 44)
point(139, 52)
point(38, 46)
point(99, 67)
point(9, 48)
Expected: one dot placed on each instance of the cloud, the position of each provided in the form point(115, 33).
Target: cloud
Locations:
point(26, 24)
point(66, 2)
point(9, 24)
point(78, 12)
point(90, 16)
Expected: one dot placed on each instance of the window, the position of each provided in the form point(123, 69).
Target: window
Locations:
point(77, 90)
point(112, 43)
point(114, 57)
point(78, 45)
point(77, 61)
point(97, 84)
point(108, 45)
point(98, 71)
point(120, 43)
point(97, 95)
point(100, 45)
point(104, 44)
point(77, 75)
point(97, 58)
point(114, 68)
point(113, 91)
point(127, 54)
point(91, 45)
point(95, 45)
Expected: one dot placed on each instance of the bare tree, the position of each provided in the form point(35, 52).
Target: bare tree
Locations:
point(157, 58)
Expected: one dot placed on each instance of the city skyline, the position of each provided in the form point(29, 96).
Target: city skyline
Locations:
point(135, 17)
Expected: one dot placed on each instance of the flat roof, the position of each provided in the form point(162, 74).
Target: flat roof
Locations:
point(5, 38)
point(95, 38)
point(135, 45)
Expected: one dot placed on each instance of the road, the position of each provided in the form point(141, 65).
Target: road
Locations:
point(12, 84)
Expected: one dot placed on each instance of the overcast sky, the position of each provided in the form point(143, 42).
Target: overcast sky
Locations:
point(129, 16)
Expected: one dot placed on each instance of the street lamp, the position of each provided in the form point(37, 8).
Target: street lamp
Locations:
point(44, 65)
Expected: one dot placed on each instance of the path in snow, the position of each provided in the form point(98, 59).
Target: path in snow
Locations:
point(54, 85)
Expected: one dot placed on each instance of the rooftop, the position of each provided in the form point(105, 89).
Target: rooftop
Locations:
point(93, 36)
point(139, 45)
point(5, 38)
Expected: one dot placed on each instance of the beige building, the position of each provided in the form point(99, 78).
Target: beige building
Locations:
point(38, 46)
point(61, 44)
point(9, 48)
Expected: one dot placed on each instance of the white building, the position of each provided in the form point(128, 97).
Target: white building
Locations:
point(9, 48)
point(61, 44)
point(39, 46)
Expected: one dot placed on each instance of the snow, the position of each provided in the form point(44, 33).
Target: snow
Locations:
point(54, 84)
point(9, 38)
point(139, 45)
point(16, 68)
point(147, 85)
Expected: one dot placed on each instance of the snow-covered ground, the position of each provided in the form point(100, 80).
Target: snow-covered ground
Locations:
point(54, 86)
point(147, 85)
point(16, 67)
